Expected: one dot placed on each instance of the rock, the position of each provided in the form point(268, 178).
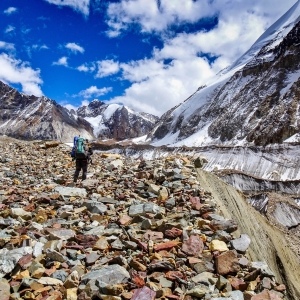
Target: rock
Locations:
point(198, 291)
point(49, 281)
point(241, 244)
point(142, 209)
point(60, 234)
point(4, 289)
point(72, 280)
point(226, 263)
point(20, 212)
point(55, 256)
point(95, 207)
point(91, 258)
point(217, 245)
point(72, 294)
point(143, 294)
point(263, 267)
point(9, 259)
point(193, 245)
point(113, 274)
point(70, 191)
point(101, 244)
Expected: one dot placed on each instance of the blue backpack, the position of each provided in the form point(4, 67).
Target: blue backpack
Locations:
point(73, 152)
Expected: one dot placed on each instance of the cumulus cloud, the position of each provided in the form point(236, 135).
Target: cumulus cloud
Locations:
point(158, 86)
point(81, 6)
point(14, 71)
point(107, 67)
point(74, 47)
point(87, 67)
point(93, 91)
point(63, 61)
point(10, 10)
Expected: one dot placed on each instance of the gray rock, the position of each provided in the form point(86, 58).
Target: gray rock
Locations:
point(38, 249)
point(198, 291)
point(70, 191)
point(142, 209)
point(236, 295)
point(170, 203)
point(60, 275)
point(241, 244)
point(263, 267)
point(60, 234)
point(113, 274)
point(95, 207)
point(98, 197)
point(55, 256)
point(9, 259)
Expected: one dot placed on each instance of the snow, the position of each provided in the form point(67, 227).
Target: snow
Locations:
point(140, 140)
point(97, 124)
point(110, 110)
point(292, 78)
point(203, 98)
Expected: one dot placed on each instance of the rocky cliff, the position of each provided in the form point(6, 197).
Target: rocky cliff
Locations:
point(30, 117)
point(114, 121)
point(255, 100)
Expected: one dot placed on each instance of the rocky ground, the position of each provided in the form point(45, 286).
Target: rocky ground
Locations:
point(133, 230)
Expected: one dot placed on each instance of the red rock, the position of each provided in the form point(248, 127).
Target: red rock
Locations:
point(25, 260)
point(227, 263)
point(195, 203)
point(173, 233)
point(193, 245)
point(238, 284)
point(280, 288)
point(125, 220)
point(172, 275)
point(166, 246)
point(143, 294)
point(153, 235)
point(273, 296)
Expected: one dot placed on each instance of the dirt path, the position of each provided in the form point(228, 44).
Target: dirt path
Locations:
point(268, 243)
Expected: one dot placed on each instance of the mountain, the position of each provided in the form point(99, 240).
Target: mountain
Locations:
point(254, 101)
point(114, 121)
point(30, 117)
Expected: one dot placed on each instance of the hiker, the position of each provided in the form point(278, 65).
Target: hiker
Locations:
point(82, 154)
point(90, 152)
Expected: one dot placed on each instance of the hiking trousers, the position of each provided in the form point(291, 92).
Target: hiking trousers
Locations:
point(81, 164)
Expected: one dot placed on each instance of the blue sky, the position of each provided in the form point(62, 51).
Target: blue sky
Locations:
point(147, 54)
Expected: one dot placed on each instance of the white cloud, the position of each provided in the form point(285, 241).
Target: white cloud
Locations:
point(93, 91)
point(74, 47)
point(158, 16)
point(87, 67)
point(157, 87)
point(81, 6)
point(63, 61)
point(10, 29)
point(10, 10)
point(107, 68)
point(13, 71)
point(40, 47)
point(7, 46)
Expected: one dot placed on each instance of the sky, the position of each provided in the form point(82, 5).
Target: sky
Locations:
point(149, 55)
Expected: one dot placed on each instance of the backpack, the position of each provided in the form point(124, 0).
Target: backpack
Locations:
point(72, 153)
point(80, 151)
